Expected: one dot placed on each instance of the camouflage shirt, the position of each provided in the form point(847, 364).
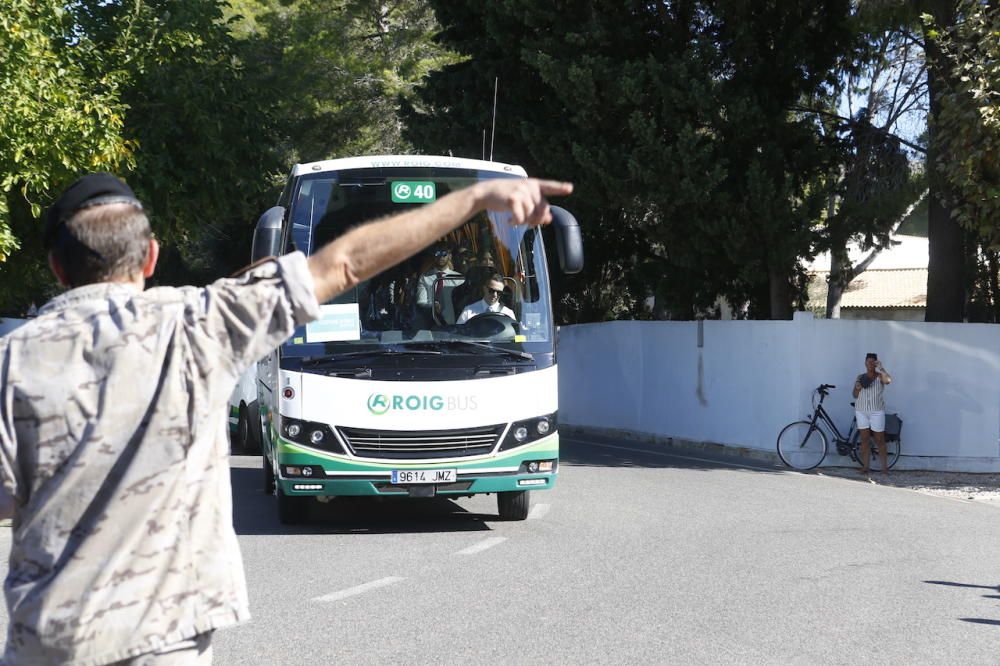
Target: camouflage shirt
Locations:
point(113, 445)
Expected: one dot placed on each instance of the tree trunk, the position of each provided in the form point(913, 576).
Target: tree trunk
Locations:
point(779, 294)
point(945, 238)
point(835, 285)
point(993, 267)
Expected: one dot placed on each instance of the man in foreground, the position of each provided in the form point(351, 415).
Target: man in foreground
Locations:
point(113, 447)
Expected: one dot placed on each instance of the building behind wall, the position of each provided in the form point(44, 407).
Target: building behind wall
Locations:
point(894, 287)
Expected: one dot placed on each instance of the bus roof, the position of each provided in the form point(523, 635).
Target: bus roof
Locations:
point(383, 161)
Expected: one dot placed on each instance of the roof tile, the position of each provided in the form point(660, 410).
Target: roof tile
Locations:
point(890, 288)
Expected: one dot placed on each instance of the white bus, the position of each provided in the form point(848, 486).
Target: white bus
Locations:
point(397, 391)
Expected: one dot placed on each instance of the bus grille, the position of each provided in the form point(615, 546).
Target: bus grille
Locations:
point(421, 444)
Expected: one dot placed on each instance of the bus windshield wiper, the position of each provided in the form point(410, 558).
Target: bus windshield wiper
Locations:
point(319, 361)
point(495, 350)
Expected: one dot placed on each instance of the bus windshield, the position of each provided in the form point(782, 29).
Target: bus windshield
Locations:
point(485, 282)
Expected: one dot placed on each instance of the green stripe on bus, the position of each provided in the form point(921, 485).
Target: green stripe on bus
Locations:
point(545, 447)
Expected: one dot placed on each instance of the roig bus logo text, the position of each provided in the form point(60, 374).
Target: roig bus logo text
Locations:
point(381, 403)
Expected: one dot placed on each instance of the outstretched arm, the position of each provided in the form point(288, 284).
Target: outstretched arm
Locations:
point(371, 248)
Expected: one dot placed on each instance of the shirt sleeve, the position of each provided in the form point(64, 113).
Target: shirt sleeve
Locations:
point(424, 291)
point(8, 444)
point(253, 313)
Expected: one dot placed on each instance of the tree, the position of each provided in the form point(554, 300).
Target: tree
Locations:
point(340, 69)
point(207, 162)
point(674, 120)
point(876, 178)
point(454, 115)
point(56, 121)
point(968, 136)
point(200, 110)
point(948, 251)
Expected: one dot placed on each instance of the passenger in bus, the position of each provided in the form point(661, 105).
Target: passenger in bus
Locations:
point(490, 302)
point(461, 258)
point(378, 300)
point(433, 303)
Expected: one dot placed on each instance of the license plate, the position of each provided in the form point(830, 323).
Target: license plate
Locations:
point(407, 476)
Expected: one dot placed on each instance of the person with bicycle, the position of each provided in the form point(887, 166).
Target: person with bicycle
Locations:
point(869, 410)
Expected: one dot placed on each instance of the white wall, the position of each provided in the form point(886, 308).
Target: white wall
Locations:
point(750, 378)
point(8, 324)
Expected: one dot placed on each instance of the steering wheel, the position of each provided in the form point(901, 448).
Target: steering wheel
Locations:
point(492, 325)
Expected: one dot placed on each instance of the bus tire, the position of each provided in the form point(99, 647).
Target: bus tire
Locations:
point(292, 510)
point(513, 505)
point(268, 475)
point(242, 432)
point(248, 431)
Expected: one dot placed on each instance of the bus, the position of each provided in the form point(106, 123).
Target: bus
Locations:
point(407, 386)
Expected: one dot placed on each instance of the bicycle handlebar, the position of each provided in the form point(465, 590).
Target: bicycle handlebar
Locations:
point(824, 390)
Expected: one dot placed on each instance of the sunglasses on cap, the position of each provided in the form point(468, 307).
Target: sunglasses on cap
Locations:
point(441, 253)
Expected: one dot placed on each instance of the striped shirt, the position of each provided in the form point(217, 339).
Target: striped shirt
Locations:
point(871, 399)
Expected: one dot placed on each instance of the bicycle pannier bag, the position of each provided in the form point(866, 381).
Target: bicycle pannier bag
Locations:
point(893, 427)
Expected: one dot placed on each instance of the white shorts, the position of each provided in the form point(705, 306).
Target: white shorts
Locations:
point(874, 421)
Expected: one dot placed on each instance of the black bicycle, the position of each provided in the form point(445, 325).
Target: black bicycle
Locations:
point(803, 445)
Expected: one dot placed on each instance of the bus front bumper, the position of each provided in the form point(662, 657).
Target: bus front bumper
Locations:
point(333, 475)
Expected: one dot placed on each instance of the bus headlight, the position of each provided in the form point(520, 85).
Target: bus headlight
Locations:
point(529, 430)
point(313, 434)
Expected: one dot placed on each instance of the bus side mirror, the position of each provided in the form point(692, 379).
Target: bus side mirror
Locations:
point(569, 240)
point(267, 235)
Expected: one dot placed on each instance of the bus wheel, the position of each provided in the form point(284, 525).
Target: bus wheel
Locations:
point(268, 475)
point(240, 443)
point(513, 505)
point(248, 431)
point(292, 510)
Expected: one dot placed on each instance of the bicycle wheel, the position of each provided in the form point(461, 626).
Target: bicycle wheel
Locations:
point(875, 462)
point(801, 445)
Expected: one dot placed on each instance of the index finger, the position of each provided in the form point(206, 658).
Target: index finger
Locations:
point(555, 188)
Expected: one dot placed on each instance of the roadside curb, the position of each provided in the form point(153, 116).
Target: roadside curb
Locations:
point(676, 443)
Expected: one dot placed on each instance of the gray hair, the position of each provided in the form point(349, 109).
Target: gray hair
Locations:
point(102, 244)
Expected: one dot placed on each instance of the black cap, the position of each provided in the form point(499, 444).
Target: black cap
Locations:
point(871, 355)
point(94, 189)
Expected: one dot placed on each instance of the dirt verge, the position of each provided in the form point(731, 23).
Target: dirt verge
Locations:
point(983, 488)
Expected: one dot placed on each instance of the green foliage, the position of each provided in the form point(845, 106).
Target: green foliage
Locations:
point(674, 121)
point(207, 163)
point(200, 106)
point(341, 69)
point(968, 125)
point(56, 120)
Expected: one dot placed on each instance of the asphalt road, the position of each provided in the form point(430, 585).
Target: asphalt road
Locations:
point(636, 556)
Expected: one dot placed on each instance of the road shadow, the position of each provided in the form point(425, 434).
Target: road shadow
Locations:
point(256, 513)
point(979, 620)
point(991, 588)
point(603, 451)
point(949, 583)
